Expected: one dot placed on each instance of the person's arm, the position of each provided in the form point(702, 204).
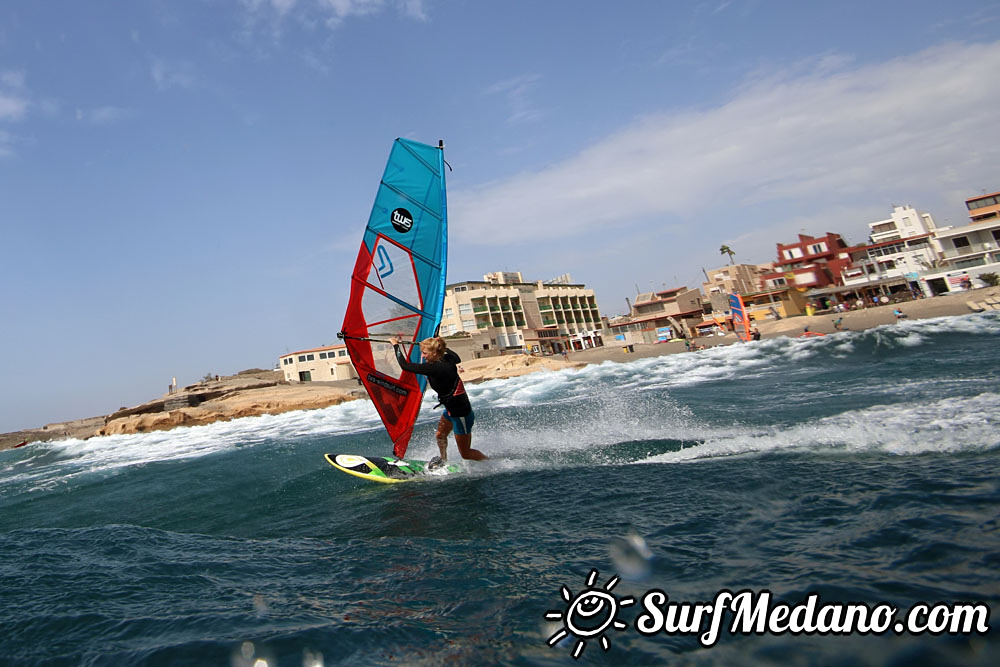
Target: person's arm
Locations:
point(406, 364)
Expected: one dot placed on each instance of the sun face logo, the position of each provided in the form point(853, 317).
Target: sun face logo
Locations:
point(592, 611)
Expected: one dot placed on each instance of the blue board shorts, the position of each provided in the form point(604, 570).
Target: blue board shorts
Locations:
point(462, 425)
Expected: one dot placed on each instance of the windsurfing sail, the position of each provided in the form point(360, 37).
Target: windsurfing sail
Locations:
point(397, 288)
point(741, 321)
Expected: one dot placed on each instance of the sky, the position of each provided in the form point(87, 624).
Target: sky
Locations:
point(183, 185)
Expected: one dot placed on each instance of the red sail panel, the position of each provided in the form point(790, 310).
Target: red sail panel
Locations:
point(372, 312)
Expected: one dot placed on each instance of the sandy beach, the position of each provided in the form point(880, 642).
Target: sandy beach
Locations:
point(260, 392)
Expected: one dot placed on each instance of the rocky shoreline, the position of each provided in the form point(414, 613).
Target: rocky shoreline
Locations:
point(259, 392)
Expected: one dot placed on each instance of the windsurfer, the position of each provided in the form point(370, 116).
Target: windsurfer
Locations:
point(441, 368)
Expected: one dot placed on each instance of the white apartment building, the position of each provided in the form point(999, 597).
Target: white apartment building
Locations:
point(899, 248)
point(968, 250)
point(508, 313)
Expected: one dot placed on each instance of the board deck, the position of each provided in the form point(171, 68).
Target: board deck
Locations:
point(386, 470)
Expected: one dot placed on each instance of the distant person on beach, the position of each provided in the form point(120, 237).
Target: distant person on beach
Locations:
point(838, 324)
point(898, 313)
point(441, 368)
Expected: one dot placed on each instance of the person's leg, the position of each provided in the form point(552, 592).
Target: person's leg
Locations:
point(464, 443)
point(444, 428)
point(463, 438)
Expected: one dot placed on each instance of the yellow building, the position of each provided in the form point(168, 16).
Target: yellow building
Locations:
point(321, 364)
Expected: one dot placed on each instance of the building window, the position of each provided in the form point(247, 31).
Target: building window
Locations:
point(322, 355)
point(311, 357)
point(961, 242)
point(302, 358)
point(342, 353)
point(449, 312)
point(792, 253)
point(465, 308)
point(980, 203)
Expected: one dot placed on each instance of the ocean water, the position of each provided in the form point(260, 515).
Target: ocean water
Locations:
point(861, 467)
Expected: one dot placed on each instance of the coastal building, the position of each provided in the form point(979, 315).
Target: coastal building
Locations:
point(503, 312)
point(968, 250)
point(321, 364)
point(658, 316)
point(735, 279)
point(773, 304)
point(898, 249)
point(810, 262)
point(985, 208)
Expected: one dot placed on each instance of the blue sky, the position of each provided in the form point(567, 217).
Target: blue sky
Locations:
point(183, 184)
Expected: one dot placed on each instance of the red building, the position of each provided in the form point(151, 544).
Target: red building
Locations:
point(810, 262)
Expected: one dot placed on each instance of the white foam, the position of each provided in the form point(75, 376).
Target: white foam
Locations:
point(946, 425)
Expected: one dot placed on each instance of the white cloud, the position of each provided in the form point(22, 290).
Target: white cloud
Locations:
point(828, 136)
point(12, 78)
point(13, 104)
point(101, 115)
point(6, 141)
point(167, 75)
point(517, 93)
point(332, 13)
point(12, 107)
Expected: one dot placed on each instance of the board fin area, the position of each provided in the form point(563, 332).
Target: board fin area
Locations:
point(387, 470)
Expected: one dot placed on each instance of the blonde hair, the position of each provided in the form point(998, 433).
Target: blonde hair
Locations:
point(433, 346)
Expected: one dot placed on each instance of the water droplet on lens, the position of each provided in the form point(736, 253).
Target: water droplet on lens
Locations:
point(631, 556)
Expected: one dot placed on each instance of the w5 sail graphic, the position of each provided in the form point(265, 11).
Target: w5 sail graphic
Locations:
point(397, 288)
point(741, 321)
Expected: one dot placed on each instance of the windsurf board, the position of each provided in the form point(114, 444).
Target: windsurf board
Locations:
point(387, 470)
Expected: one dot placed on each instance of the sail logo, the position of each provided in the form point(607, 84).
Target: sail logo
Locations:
point(385, 267)
point(385, 384)
point(402, 221)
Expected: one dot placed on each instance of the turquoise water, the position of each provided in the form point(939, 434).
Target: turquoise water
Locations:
point(861, 466)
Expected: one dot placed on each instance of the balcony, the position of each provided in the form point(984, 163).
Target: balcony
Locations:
point(972, 249)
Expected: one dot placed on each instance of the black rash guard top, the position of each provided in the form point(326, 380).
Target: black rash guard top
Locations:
point(443, 378)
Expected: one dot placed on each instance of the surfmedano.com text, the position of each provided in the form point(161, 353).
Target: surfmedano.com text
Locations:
point(755, 613)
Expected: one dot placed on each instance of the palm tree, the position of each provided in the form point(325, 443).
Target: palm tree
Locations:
point(726, 250)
